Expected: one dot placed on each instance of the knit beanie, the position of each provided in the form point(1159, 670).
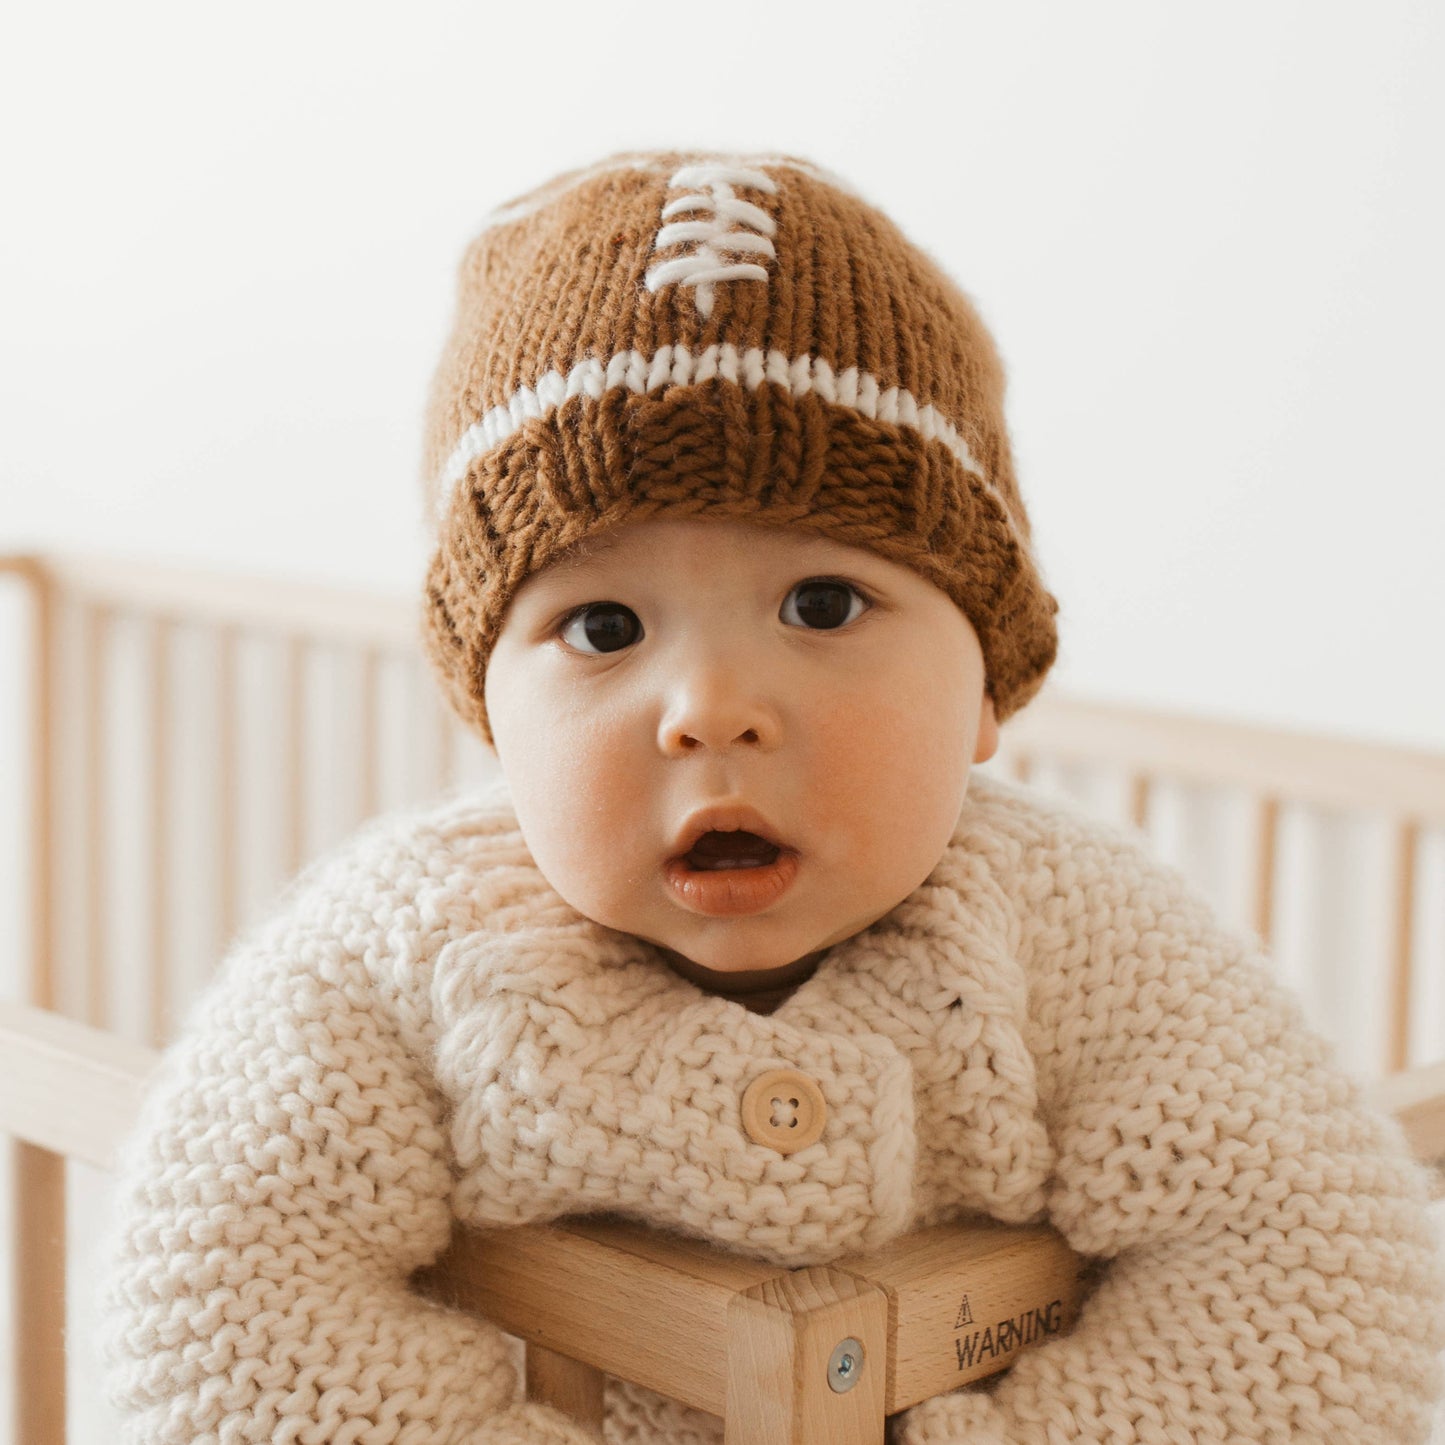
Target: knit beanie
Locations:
point(698, 335)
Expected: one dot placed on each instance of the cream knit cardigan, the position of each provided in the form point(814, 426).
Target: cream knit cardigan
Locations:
point(1054, 1026)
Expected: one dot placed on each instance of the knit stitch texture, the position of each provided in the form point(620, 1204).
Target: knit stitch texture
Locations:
point(1053, 1026)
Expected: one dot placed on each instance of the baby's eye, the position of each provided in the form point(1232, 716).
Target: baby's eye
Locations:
point(601, 627)
point(823, 603)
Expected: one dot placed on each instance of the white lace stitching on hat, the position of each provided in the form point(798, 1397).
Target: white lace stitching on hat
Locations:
point(712, 190)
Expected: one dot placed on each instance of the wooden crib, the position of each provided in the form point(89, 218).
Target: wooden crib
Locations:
point(179, 744)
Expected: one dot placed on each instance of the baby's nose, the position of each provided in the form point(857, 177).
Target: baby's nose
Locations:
point(718, 714)
point(700, 733)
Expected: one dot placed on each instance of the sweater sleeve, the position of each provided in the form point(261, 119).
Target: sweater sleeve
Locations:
point(1268, 1267)
point(288, 1173)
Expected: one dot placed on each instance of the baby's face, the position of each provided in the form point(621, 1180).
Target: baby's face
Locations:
point(837, 696)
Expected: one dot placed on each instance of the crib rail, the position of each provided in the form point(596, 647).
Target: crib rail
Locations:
point(1272, 763)
point(70, 1090)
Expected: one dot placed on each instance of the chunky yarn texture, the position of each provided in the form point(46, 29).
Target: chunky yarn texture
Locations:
point(1053, 1026)
point(732, 337)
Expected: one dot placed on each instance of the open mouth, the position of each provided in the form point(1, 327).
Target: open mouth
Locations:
point(732, 873)
point(716, 851)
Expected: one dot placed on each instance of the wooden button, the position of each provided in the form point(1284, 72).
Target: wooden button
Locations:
point(784, 1110)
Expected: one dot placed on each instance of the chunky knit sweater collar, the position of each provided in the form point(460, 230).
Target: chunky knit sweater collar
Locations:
point(556, 1039)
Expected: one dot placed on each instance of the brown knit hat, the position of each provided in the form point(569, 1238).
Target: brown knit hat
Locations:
point(704, 335)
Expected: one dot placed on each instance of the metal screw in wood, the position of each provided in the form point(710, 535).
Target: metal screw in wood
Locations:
point(845, 1365)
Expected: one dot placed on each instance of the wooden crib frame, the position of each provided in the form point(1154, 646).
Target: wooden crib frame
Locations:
point(70, 1086)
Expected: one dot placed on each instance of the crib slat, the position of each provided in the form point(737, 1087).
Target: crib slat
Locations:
point(369, 733)
point(446, 747)
point(1402, 944)
point(95, 633)
point(1416, 1098)
point(293, 753)
point(38, 1272)
point(1139, 792)
point(428, 722)
point(39, 986)
point(567, 1385)
point(37, 1265)
point(161, 753)
point(1266, 847)
point(226, 787)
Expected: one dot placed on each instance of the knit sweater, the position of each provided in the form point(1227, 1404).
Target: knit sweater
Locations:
point(1053, 1026)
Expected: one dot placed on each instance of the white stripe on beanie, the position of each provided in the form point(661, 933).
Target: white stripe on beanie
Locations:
point(677, 366)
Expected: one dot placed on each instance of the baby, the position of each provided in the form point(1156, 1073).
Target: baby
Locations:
point(733, 573)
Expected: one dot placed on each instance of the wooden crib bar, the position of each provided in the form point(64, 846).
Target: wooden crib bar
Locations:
point(1416, 1099)
point(1329, 772)
point(742, 1339)
point(321, 612)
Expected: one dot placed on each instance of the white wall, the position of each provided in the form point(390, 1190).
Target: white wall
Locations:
point(1207, 237)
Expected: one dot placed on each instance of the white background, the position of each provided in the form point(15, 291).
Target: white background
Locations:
point(1208, 239)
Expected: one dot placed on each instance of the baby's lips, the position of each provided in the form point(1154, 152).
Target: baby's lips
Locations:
point(734, 891)
point(725, 818)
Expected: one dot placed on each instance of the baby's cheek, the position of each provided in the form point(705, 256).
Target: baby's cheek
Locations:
point(899, 771)
point(608, 814)
point(565, 797)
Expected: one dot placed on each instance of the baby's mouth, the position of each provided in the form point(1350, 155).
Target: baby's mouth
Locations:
point(739, 849)
point(732, 873)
